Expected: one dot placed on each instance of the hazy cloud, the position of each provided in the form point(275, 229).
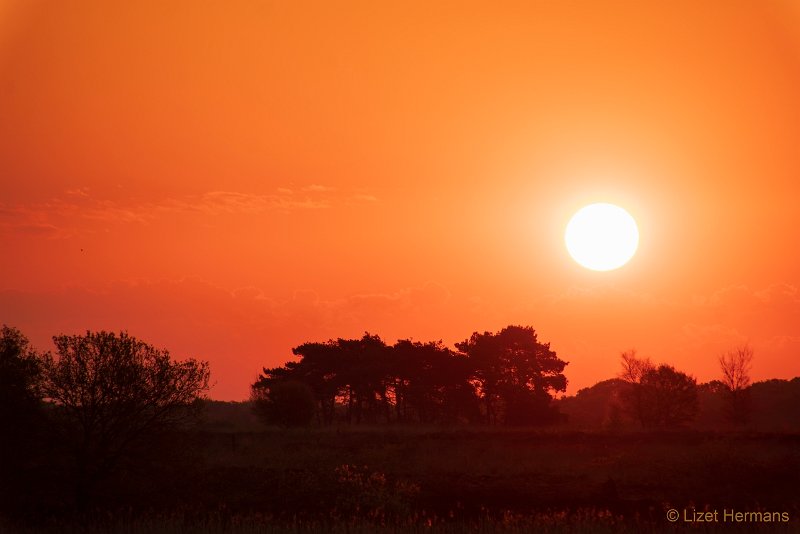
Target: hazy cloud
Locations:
point(220, 202)
point(784, 343)
point(317, 188)
point(37, 230)
point(742, 295)
point(423, 298)
point(600, 292)
point(78, 192)
point(63, 216)
point(713, 335)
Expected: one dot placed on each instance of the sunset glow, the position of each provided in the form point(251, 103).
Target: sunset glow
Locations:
point(229, 180)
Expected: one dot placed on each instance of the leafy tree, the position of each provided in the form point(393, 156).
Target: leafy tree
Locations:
point(363, 377)
point(21, 418)
point(596, 406)
point(658, 396)
point(320, 368)
point(371, 382)
point(20, 396)
point(670, 397)
point(516, 374)
point(430, 383)
point(114, 393)
point(735, 366)
point(287, 403)
point(354, 372)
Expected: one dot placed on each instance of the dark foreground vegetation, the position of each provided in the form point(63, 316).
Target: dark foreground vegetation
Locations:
point(409, 479)
point(113, 435)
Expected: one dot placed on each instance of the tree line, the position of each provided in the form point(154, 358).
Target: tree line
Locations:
point(660, 396)
point(103, 399)
point(503, 378)
point(657, 396)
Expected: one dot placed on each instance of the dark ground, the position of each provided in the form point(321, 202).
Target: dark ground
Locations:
point(445, 479)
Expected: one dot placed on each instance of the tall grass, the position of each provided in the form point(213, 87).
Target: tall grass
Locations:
point(446, 480)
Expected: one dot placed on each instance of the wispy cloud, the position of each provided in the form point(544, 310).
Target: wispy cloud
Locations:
point(78, 192)
point(701, 336)
point(317, 188)
point(62, 216)
point(601, 293)
point(742, 295)
point(219, 202)
point(38, 230)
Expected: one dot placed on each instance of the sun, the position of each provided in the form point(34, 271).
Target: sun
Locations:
point(602, 237)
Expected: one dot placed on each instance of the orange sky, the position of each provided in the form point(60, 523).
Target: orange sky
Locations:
point(231, 179)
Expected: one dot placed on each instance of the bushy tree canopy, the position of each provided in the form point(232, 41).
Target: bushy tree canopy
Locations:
point(657, 396)
point(517, 374)
point(371, 382)
point(20, 370)
point(112, 392)
point(364, 380)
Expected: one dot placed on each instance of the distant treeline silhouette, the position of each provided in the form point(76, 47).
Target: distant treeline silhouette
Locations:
point(507, 378)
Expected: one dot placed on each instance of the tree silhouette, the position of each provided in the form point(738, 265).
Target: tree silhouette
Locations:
point(661, 396)
point(114, 393)
point(371, 382)
point(774, 405)
point(633, 397)
point(287, 403)
point(363, 377)
point(364, 380)
point(352, 372)
point(431, 384)
point(516, 374)
point(21, 416)
point(735, 366)
point(320, 368)
point(670, 397)
point(20, 396)
point(633, 368)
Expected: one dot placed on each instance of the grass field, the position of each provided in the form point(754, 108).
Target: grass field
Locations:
point(388, 479)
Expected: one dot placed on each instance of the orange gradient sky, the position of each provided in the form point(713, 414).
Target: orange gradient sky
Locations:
point(231, 179)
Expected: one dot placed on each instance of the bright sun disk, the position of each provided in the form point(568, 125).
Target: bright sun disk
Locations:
point(602, 237)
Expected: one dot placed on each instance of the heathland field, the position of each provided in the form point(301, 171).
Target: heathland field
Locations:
point(454, 479)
